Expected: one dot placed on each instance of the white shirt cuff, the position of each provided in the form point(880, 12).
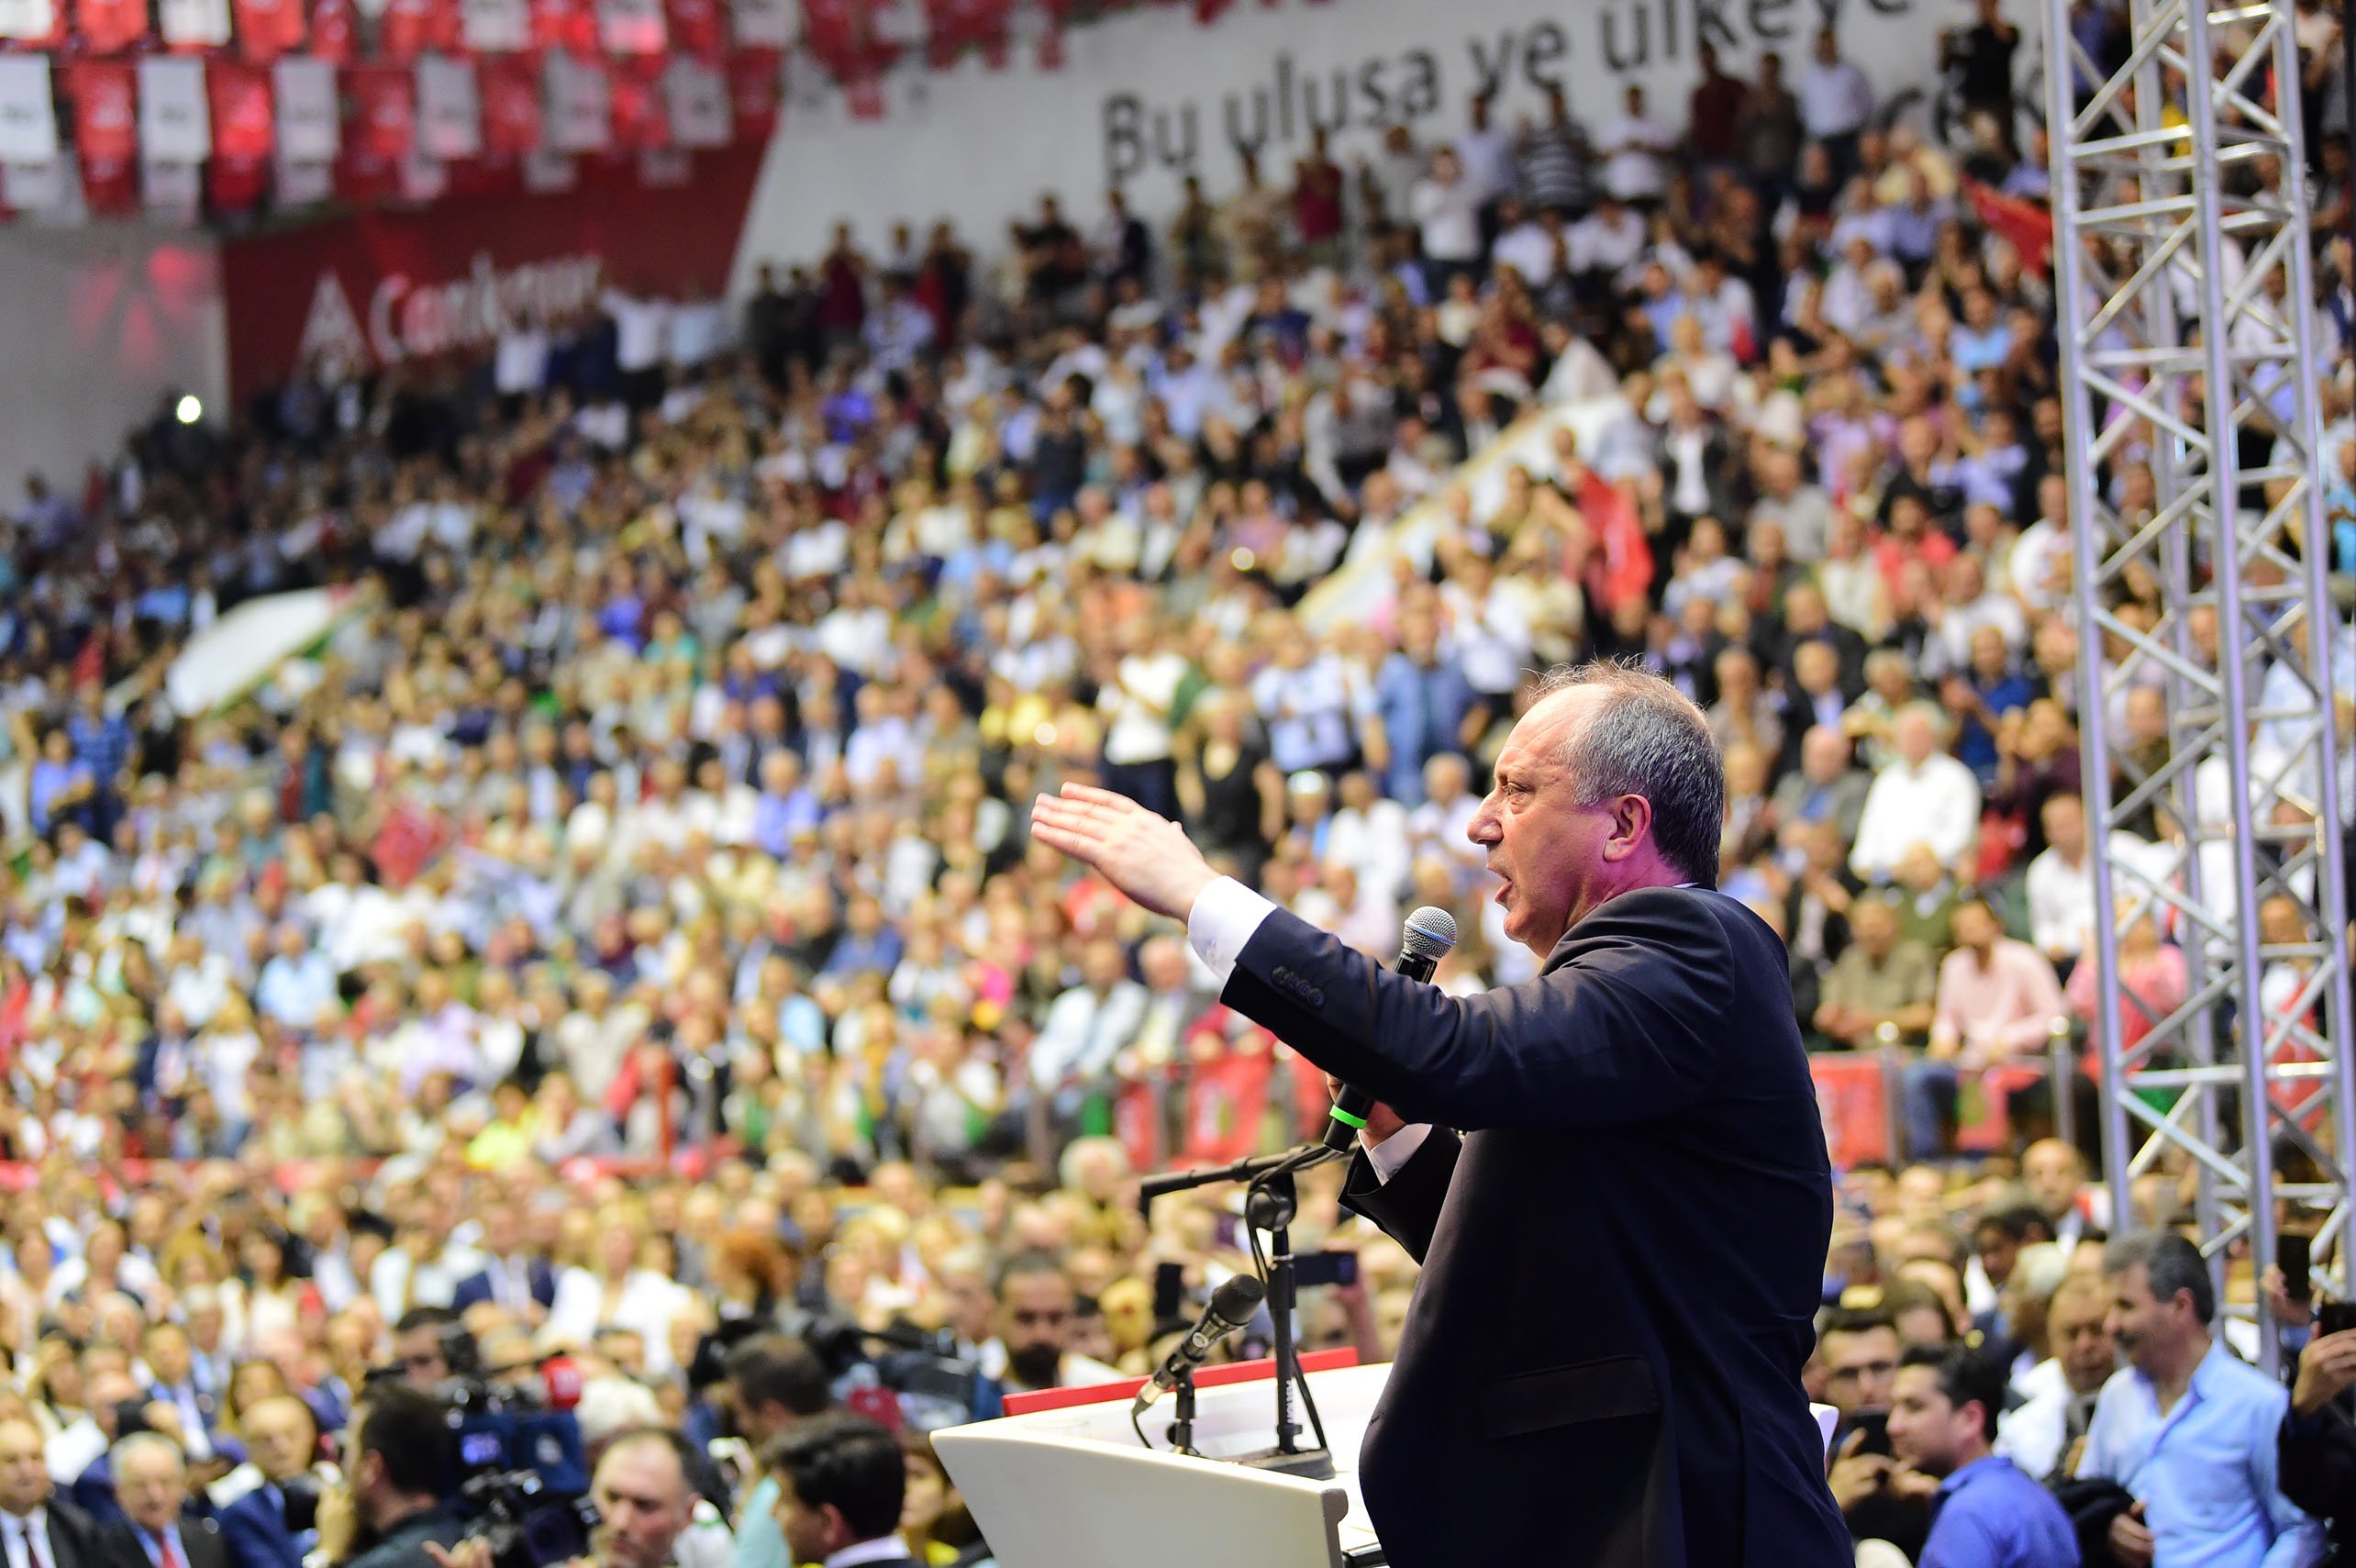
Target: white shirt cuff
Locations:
point(1223, 919)
point(1395, 1151)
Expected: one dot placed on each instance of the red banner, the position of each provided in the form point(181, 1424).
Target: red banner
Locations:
point(109, 26)
point(755, 79)
point(410, 27)
point(570, 25)
point(334, 31)
point(511, 106)
point(639, 122)
point(105, 113)
point(385, 111)
point(697, 26)
point(953, 27)
point(382, 287)
point(239, 96)
point(267, 29)
point(237, 184)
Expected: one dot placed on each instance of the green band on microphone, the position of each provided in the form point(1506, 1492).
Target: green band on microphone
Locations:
point(1347, 1119)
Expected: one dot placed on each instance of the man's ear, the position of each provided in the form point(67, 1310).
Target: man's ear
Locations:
point(1631, 827)
point(839, 1532)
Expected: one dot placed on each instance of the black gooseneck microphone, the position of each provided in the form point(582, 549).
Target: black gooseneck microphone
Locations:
point(1232, 1305)
point(1425, 938)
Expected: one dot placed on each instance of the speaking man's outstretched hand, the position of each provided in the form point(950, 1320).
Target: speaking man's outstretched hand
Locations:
point(1148, 857)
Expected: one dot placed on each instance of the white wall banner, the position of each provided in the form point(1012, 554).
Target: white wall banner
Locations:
point(423, 176)
point(309, 129)
point(449, 109)
point(496, 27)
point(27, 116)
point(695, 97)
point(193, 24)
point(579, 107)
point(1149, 95)
point(172, 190)
point(174, 126)
point(304, 181)
point(49, 186)
point(32, 20)
point(763, 24)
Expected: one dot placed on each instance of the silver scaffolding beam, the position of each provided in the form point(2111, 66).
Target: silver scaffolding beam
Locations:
point(2184, 313)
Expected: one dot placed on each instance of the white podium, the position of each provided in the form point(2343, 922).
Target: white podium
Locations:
point(1071, 1488)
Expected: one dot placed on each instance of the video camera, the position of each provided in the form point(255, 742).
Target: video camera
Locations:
point(519, 1469)
point(917, 1374)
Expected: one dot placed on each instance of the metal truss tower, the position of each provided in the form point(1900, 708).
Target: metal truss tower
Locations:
point(2184, 313)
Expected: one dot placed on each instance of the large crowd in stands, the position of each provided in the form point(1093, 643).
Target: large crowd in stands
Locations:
point(626, 923)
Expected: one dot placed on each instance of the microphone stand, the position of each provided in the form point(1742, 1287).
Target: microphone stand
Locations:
point(1182, 1417)
point(1272, 1203)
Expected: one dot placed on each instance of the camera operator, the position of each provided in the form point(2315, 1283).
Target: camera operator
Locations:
point(268, 1506)
point(388, 1510)
point(774, 1383)
point(422, 1338)
point(842, 1482)
point(645, 1491)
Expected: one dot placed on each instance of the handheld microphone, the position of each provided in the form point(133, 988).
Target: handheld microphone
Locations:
point(1232, 1305)
point(1427, 937)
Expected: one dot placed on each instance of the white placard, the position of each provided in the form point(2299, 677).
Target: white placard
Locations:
point(309, 129)
point(763, 24)
point(546, 172)
point(697, 98)
point(36, 187)
point(305, 181)
point(631, 26)
point(27, 115)
point(173, 189)
point(579, 107)
point(424, 177)
point(449, 109)
point(496, 27)
point(33, 20)
point(174, 124)
point(194, 24)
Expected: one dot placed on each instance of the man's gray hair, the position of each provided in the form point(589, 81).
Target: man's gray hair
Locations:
point(2170, 1262)
point(1649, 739)
point(136, 1443)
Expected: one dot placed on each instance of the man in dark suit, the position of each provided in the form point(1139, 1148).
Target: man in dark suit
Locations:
point(510, 1277)
point(840, 1481)
point(249, 1502)
point(1624, 1253)
point(38, 1529)
point(151, 1486)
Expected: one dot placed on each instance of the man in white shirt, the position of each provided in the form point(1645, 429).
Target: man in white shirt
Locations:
point(641, 339)
point(1448, 211)
point(1836, 102)
point(1636, 150)
point(1922, 796)
point(1535, 248)
point(2061, 881)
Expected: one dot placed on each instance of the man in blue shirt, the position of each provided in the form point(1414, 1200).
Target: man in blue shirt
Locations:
point(2186, 1428)
point(1985, 1514)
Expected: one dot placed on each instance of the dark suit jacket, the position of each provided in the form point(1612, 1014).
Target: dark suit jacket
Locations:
point(476, 1287)
point(1622, 1258)
point(253, 1528)
point(73, 1538)
point(200, 1543)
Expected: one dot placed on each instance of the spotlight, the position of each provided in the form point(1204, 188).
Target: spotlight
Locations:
point(188, 410)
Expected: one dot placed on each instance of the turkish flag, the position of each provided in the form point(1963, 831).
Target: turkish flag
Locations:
point(952, 27)
point(111, 188)
point(385, 112)
point(698, 27)
point(510, 91)
point(105, 113)
point(239, 96)
point(639, 120)
point(109, 26)
point(267, 29)
point(755, 76)
point(334, 31)
point(410, 27)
